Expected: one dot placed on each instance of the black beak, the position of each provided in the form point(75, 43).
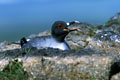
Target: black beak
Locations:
point(73, 29)
point(69, 30)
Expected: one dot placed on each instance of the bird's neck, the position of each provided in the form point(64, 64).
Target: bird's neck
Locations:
point(59, 38)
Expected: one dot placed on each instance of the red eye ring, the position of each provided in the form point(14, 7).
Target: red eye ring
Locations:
point(59, 26)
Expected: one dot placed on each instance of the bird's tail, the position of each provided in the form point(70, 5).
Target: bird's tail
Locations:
point(23, 41)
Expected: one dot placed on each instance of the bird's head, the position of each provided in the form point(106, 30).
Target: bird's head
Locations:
point(60, 29)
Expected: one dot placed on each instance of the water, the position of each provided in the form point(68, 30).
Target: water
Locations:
point(20, 18)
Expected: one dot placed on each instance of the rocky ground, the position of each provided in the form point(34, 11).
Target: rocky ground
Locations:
point(95, 55)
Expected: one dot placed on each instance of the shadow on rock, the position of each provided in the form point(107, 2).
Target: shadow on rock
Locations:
point(115, 68)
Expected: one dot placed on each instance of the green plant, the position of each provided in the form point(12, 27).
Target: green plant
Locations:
point(92, 31)
point(27, 50)
point(111, 22)
point(13, 71)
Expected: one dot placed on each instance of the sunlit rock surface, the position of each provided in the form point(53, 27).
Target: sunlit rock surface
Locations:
point(95, 54)
point(54, 64)
point(8, 46)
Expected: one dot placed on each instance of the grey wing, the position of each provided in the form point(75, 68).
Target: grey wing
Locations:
point(36, 42)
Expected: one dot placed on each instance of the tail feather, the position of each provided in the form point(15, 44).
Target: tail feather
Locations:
point(23, 41)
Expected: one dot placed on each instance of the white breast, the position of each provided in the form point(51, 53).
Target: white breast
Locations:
point(61, 46)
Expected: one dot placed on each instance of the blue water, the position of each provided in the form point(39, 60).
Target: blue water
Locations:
point(20, 18)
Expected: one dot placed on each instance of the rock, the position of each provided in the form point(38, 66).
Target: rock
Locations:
point(54, 64)
point(113, 20)
point(8, 46)
point(116, 77)
point(116, 17)
point(107, 40)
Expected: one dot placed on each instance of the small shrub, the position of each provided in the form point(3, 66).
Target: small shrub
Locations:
point(13, 71)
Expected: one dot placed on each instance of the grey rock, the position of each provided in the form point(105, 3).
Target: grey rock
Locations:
point(113, 20)
point(48, 63)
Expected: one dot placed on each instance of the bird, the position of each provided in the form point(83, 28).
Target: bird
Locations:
point(59, 31)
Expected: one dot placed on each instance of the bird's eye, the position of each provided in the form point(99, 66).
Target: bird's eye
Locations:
point(59, 26)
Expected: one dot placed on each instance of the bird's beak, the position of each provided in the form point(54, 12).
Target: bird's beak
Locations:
point(73, 29)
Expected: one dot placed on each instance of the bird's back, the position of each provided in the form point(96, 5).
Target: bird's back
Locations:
point(46, 41)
